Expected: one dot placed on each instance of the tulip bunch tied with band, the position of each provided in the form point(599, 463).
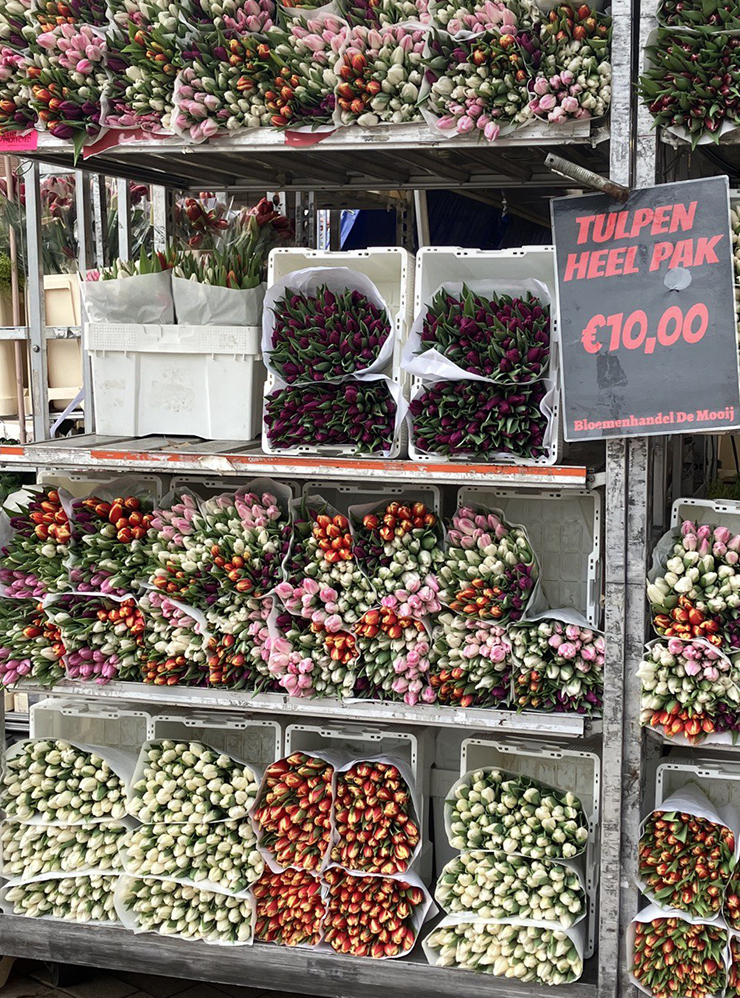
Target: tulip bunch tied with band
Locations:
point(398, 544)
point(32, 562)
point(31, 645)
point(290, 908)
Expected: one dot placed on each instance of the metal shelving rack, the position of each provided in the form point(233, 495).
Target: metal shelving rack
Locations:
point(356, 164)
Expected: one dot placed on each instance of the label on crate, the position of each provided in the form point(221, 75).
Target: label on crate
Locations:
point(646, 300)
point(19, 141)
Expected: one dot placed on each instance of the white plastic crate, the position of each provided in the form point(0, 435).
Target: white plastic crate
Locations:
point(120, 727)
point(576, 770)
point(341, 497)
point(565, 531)
point(390, 268)
point(176, 379)
point(81, 485)
point(717, 776)
point(437, 265)
point(717, 512)
point(255, 740)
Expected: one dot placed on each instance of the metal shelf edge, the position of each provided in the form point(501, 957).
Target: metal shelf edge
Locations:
point(264, 966)
point(564, 725)
point(74, 452)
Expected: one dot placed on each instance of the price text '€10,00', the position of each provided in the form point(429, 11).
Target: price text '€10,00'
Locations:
point(632, 331)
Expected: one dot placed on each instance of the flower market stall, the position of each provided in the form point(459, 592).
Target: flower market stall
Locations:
point(333, 662)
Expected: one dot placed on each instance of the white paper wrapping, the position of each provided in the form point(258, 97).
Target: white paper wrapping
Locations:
point(142, 299)
point(207, 305)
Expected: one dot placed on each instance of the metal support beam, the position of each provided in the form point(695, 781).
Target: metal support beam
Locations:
point(421, 216)
point(100, 215)
point(163, 217)
point(85, 258)
point(36, 304)
point(124, 219)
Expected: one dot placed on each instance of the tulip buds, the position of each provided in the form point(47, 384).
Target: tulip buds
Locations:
point(31, 645)
point(109, 538)
point(290, 908)
point(54, 781)
point(470, 662)
point(174, 909)
point(671, 951)
point(490, 811)
point(73, 899)
point(35, 850)
point(375, 820)
point(32, 563)
point(293, 813)
point(370, 916)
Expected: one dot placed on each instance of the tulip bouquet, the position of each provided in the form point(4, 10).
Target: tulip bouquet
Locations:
point(239, 650)
point(490, 569)
point(504, 338)
point(245, 534)
point(109, 553)
point(523, 952)
point(50, 14)
point(74, 899)
point(397, 544)
point(476, 16)
point(307, 660)
point(689, 688)
point(188, 781)
point(674, 957)
point(240, 17)
point(574, 78)
point(32, 562)
point(558, 666)
point(143, 64)
point(59, 782)
point(174, 647)
point(719, 15)
point(14, 23)
point(31, 646)
point(222, 853)
point(470, 662)
point(16, 114)
point(155, 262)
point(484, 85)
point(418, 599)
point(733, 975)
point(708, 66)
point(381, 71)
point(371, 916)
point(176, 548)
point(376, 828)
point(290, 908)
point(66, 74)
point(696, 589)
point(350, 414)
point(325, 335)
point(394, 656)
point(496, 885)
point(491, 810)
point(463, 419)
point(324, 582)
point(303, 55)
point(174, 909)
point(102, 638)
point(34, 851)
point(379, 13)
point(222, 85)
point(293, 812)
point(145, 13)
point(685, 861)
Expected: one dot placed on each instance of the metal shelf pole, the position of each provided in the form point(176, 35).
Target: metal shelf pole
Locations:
point(85, 261)
point(36, 304)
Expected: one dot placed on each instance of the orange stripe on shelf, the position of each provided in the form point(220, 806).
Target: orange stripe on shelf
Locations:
point(350, 464)
point(12, 449)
